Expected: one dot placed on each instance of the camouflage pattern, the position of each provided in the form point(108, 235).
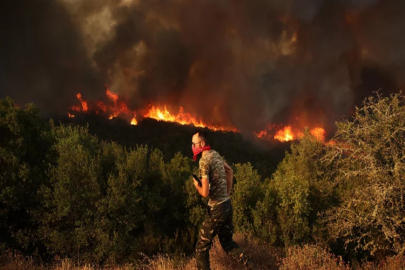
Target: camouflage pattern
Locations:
point(218, 221)
point(212, 167)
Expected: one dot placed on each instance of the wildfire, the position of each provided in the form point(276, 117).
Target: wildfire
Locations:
point(84, 103)
point(116, 107)
point(318, 133)
point(133, 121)
point(183, 118)
point(284, 134)
point(287, 133)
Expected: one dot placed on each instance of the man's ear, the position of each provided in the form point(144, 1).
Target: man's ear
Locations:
point(202, 143)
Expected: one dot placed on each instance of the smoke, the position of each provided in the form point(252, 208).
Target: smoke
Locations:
point(245, 63)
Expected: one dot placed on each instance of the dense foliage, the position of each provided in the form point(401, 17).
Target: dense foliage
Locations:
point(66, 192)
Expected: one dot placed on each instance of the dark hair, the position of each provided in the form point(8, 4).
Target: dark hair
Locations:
point(202, 134)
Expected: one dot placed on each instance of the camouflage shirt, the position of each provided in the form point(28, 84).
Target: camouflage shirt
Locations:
point(212, 168)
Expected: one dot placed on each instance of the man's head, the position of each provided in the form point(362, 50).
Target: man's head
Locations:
point(199, 139)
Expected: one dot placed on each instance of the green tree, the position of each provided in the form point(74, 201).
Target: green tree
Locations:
point(247, 192)
point(25, 142)
point(71, 200)
point(121, 212)
point(302, 190)
point(265, 222)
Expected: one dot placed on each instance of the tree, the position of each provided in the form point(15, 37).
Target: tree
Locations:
point(25, 143)
point(301, 190)
point(368, 161)
point(71, 199)
point(247, 192)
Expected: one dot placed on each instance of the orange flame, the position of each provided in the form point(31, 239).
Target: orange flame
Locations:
point(112, 96)
point(183, 118)
point(287, 133)
point(133, 121)
point(284, 135)
point(264, 134)
point(84, 103)
point(118, 107)
point(318, 133)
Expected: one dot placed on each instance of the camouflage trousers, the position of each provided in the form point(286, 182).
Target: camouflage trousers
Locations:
point(218, 221)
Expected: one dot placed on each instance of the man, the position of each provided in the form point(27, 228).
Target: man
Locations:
point(216, 182)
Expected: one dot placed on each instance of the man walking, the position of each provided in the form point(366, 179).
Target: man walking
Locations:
point(216, 182)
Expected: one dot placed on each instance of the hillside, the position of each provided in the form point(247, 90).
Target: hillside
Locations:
point(172, 138)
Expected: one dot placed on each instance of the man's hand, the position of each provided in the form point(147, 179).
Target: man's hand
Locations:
point(197, 179)
point(196, 184)
point(204, 190)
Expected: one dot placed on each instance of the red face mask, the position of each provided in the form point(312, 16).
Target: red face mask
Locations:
point(197, 151)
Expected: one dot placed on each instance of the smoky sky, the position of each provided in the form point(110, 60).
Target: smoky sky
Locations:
point(243, 63)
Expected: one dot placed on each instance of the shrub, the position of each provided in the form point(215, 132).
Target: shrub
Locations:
point(247, 191)
point(25, 142)
point(300, 189)
point(71, 201)
point(369, 167)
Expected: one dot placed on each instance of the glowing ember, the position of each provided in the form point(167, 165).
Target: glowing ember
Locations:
point(70, 115)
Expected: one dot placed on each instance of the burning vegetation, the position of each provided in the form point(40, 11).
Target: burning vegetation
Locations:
point(117, 108)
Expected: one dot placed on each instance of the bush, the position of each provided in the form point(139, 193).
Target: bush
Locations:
point(298, 190)
point(105, 202)
point(369, 168)
point(25, 142)
point(247, 191)
point(72, 199)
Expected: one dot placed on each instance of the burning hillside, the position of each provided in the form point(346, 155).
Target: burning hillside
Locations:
point(117, 108)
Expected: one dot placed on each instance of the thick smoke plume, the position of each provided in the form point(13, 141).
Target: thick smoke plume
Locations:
point(245, 63)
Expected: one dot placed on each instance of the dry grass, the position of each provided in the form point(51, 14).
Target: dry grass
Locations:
point(264, 256)
point(391, 263)
point(311, 257)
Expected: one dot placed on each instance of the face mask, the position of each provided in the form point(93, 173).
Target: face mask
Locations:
point(197, 151)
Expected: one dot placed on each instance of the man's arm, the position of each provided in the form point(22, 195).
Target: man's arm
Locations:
point(204, 189)
point(229, 177)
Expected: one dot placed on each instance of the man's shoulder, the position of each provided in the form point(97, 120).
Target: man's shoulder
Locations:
point(213, 156)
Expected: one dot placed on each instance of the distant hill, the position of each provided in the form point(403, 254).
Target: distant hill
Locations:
point(173, 137)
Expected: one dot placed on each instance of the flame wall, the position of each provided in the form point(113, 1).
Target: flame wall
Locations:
point(242, 63)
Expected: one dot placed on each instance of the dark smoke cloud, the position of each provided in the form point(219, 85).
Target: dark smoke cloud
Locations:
point(42, 55)
point(244, 63)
